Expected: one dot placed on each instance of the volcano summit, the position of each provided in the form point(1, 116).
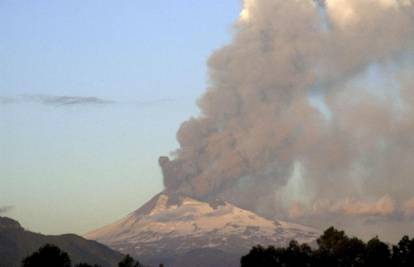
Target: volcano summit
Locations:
point(181, 231)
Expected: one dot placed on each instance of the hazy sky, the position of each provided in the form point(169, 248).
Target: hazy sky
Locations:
point(91, 93)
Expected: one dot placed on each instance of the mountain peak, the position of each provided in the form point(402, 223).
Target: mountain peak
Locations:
point(165, 200)
point(176, 224)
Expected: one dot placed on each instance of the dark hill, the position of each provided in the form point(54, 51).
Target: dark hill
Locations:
point(16, 243)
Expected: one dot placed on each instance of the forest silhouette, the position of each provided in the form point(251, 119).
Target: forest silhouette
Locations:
point(52, 256)
point(332, 249)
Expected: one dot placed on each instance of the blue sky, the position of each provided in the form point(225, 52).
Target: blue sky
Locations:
point(72, 168)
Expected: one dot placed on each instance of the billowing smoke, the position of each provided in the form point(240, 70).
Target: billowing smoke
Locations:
point(309, 110)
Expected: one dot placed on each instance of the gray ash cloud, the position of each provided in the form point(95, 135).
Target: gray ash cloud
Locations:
point(259, 129)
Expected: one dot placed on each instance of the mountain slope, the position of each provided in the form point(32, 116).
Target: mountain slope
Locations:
point(176, 229)
point(16, 243)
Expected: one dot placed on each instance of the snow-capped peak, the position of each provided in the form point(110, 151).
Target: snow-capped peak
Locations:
point(180, 223)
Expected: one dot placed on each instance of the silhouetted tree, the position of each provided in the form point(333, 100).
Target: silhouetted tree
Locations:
point(353, 253)
point(332, 245)
point(298, 255)
point(403, 253)
point(335, 249)
point(294, 255)
point(128, 261)
point(47, 256)
point(264, 257)
point(332, 241)
point(377, 253)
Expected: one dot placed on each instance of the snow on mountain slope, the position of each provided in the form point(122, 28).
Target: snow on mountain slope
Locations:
point(171, 225)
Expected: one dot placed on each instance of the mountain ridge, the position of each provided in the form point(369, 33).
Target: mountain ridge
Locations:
point(16, 243)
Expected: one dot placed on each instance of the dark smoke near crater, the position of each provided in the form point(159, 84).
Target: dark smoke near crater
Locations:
point(309, 111)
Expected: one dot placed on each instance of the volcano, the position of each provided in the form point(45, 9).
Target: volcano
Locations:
point(181, 231)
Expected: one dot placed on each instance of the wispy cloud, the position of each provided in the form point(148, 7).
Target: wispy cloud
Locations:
point(53, 100)
point(68, 100)
point(7, 100)
point(65, 100)
point(5, 209)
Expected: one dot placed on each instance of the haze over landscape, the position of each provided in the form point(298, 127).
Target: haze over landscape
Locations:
point(306, 120)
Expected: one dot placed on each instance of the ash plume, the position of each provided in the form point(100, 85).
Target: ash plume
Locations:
point(297, 113)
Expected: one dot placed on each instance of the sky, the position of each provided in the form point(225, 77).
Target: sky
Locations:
point(91, 94)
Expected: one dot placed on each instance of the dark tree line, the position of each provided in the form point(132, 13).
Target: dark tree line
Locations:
point(52, 256)
point(335, 249)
